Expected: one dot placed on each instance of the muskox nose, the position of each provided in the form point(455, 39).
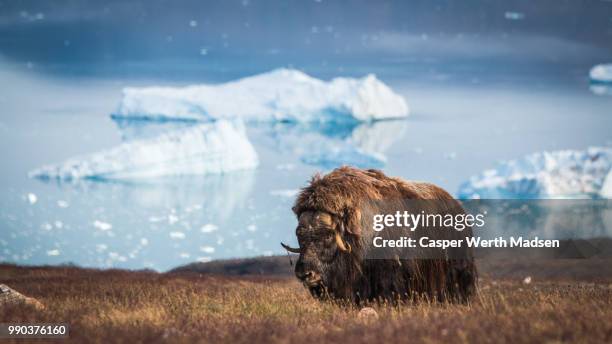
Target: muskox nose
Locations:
point(304, 275)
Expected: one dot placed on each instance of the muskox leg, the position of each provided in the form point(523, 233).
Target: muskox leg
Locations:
point(467, 281)
point(461, 280)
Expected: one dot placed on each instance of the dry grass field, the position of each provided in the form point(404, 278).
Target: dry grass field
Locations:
point(140, 306)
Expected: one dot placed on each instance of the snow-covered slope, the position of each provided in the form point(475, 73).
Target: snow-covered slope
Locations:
point(566, 173)
point(601, 73)
point(282, 94)
point(216, 147)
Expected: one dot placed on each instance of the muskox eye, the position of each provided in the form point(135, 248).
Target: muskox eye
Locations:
point(327, 238)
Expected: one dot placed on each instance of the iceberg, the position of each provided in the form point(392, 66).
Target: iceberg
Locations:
point(559, 174)
point(130, 129)
point(209, 148)
point(601, 73)
point(279, 95)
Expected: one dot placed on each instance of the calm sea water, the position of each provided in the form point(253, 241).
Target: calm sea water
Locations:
point(455, 130)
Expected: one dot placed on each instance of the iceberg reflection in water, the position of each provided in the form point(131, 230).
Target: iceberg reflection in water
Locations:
point(601, 89)
point(331, 144)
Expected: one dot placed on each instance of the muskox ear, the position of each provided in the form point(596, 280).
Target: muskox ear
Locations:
point(352, 222)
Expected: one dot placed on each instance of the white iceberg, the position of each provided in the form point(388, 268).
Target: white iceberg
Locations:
point(279, 95)
point(566, 173)
point(131, 129)
point(216, 147)
point(601, 73)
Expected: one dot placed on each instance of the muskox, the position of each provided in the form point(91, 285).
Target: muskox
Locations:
point(334, 214)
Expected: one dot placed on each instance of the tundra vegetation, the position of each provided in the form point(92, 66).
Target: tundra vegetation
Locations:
point(518, 302)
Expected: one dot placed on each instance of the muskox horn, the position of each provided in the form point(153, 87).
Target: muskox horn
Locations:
point(290, 249)
point(344, 247)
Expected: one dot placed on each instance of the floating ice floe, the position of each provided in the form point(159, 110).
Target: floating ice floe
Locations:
point(62, 204)
point(601, 73)
point(32, 198)
point(101, 225)
point(177, 235)
point(208, 228)
point(559, 174)
point(216, 147)
point(510, 15)
point(282, 94)
point(207, 249)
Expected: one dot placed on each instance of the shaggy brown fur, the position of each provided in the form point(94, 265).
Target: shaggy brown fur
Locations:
point(343, 202)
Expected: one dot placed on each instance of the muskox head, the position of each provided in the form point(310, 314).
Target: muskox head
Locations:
point(323, 248)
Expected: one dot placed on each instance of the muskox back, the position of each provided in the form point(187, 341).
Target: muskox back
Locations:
point(337, 257)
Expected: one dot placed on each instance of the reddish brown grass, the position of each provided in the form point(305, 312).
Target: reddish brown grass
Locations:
point(137, 307)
